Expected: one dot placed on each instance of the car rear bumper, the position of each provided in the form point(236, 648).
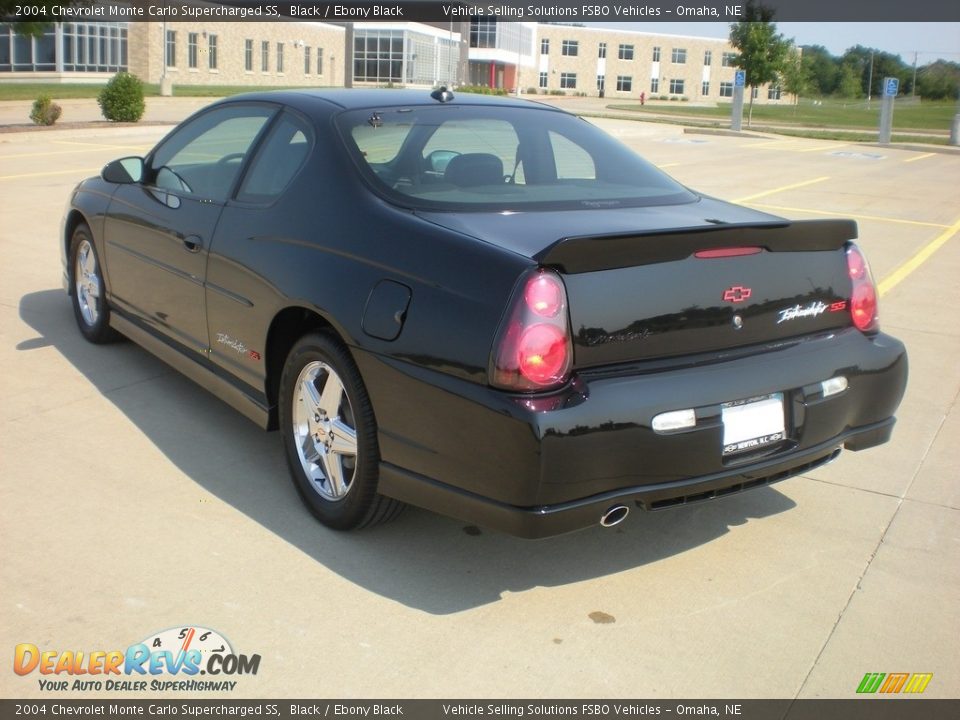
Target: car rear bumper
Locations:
point(539, 466)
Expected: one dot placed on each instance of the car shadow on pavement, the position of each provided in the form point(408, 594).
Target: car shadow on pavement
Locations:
point(435, 564)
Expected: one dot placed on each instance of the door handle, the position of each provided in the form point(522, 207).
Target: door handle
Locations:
point(193, 243)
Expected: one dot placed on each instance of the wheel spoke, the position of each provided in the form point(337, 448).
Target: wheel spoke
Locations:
point(310, 396)
point(308, 448)
point(344, 439)
point(332, 394)
point(333, 469)
point(93, 287)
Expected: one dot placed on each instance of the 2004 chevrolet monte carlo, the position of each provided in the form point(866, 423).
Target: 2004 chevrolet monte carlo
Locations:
point(484, 307)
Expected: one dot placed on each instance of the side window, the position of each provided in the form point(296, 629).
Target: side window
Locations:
point(572, 161)
point(205, 156)
point(280, 157)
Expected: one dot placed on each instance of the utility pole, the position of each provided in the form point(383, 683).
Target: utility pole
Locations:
point(913, 87)
point(870, 82)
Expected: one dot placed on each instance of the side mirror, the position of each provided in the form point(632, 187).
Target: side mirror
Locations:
point(123, 171)
point(438, 160)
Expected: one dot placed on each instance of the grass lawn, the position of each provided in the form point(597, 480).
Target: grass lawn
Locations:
point(850, 114)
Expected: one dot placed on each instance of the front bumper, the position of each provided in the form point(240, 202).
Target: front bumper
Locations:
point(535, 467)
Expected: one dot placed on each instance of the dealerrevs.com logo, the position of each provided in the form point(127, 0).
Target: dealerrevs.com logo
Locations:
point(170, 660)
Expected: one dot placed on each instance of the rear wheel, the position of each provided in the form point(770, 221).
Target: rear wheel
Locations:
point(87, 290)
point(330, 436)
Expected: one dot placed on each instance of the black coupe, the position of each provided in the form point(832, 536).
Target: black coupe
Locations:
point(485, 307)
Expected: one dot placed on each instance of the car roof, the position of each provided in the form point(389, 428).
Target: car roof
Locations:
point(305, 99)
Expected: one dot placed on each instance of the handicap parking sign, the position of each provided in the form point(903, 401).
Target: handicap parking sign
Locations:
point(891, 86)
point(740, 79)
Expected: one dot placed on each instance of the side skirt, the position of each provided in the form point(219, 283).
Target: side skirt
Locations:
point(204, 377)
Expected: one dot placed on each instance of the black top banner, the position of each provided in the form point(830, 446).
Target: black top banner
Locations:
point(561, 11)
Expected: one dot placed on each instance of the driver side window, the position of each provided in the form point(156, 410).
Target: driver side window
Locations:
point(205, 156)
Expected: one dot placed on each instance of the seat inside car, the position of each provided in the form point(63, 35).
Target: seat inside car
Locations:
point(472, 169)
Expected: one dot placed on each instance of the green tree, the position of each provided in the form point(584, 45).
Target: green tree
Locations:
point(874, 65)
point(939, 80)
point(762, 51)
point(796, 77)
point(848, 82)
point(823, 69)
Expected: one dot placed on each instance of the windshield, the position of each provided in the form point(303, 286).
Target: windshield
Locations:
point(500, 158)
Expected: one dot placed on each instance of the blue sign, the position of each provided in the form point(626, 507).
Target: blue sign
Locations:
point(740, 79)
point(890, 87)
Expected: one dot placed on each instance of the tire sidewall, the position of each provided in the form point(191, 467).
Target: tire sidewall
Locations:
point(352, 510)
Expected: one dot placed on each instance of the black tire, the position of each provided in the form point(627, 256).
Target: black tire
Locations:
point(331, 444)
point(86, 278)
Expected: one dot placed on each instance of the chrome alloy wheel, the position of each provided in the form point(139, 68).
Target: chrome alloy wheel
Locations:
point(86, 275)
point(324, 431)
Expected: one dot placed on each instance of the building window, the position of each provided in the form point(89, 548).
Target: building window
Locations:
point(624, 83)
point(378, 56)
point(773, 93)
point(727, 59)
point(192, 39)
point(265, 56)
point(705, 88)
point(483, 33)
point(248, 55)
point(656, 54)
point(212, 52)
point(625, 52)
point(601, 83)
point(755, 92)
point(570, 47)
point(543, 80)
point(655, 85)
point(279, 57)
point(171, 54)
point(726, 89)
point(306, 60)
point(568, 81)
point(544, 46)
point(676, 87)
point(707, 57)
point(319, 61)
point(602, 50)
point(679, 56)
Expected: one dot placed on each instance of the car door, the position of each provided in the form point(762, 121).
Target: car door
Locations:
point(158, 232)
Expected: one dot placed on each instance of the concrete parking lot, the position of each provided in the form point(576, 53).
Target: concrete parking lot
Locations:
point(132, 501)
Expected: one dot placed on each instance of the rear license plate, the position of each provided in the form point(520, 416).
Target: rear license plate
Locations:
point(752, 424)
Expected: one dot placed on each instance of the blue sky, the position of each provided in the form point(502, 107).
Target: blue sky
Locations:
point(930, 40)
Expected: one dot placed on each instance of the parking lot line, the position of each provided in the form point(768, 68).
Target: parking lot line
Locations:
point(51, 153)
point(854, 216)
point(898, 275)
point(780, 189)
point(85, 171)
point(920, 157)
point(101, 146)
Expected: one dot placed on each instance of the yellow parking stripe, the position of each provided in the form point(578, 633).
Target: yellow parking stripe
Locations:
point(782, 208)
point(78, 171)
point(57, 152)
point(781, 189)
point(920, 157)
point(898, 275)
point(666, 165)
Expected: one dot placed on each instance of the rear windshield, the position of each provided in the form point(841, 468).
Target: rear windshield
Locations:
point(499, 158)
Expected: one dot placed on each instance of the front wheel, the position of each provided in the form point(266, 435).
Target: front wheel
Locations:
point(330, 436)
point(87, 289)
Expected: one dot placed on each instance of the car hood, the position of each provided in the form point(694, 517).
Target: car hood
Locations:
point(530, 233)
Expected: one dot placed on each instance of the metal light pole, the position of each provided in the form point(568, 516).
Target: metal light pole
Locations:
point(870, 82)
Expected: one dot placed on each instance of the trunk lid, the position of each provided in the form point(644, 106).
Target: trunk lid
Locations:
point(663, 282)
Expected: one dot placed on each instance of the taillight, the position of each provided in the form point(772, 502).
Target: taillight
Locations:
point(533, 350)
point(863, 295)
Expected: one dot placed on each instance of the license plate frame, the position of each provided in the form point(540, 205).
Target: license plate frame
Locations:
point(753, 424)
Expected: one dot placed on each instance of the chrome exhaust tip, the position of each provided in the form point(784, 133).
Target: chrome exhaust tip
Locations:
point(614, 516)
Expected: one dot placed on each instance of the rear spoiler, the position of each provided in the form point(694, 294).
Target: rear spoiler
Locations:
point(588, 253)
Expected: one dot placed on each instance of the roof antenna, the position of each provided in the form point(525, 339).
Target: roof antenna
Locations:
point(442, 94)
